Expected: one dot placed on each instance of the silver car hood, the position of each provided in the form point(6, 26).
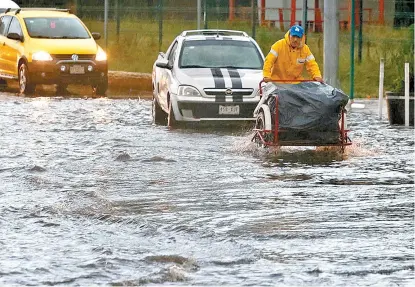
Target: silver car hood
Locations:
point(207, 78)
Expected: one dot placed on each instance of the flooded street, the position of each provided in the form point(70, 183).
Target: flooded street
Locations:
point(93, 194)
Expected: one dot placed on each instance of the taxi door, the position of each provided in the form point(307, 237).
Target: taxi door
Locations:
point(4, 26)
point(12, 48)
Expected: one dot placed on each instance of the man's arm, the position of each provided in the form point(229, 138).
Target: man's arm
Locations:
point(269, 62)
point(312, 67)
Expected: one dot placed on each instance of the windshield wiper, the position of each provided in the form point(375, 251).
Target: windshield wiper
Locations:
point(42, 37)
point(67, 37)
point(193, 66)
point(240, 68)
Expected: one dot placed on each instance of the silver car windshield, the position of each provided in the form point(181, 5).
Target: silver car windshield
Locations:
point(56, 28)
point(220, 54)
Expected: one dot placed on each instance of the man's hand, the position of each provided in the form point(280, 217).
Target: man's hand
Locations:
point(266, 80)
point(319, 79)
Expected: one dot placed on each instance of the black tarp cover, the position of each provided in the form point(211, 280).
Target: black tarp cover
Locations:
point(310, 110)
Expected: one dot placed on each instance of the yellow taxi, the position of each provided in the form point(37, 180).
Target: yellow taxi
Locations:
point(50, 46)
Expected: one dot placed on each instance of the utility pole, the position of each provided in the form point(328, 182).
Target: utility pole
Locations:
point(199, 12)
point(331, 42)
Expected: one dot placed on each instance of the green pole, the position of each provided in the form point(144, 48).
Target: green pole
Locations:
point(254, 18)
point(359, 53)
point(160, 12)
point(305, 26)
point(117, 16)
point(352, 26)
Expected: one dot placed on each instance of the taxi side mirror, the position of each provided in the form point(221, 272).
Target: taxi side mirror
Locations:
point(15, 36)
point(96, 35)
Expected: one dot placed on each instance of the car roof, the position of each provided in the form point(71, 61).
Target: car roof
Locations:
point(4, 4)
point(214, 33)
point(40, 12)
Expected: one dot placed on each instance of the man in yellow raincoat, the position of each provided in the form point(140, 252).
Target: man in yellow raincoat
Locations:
point(286, 59)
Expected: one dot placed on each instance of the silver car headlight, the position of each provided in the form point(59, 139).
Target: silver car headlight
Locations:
point(188, 91)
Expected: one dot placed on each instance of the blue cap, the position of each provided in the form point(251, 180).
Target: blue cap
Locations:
point(297, 30)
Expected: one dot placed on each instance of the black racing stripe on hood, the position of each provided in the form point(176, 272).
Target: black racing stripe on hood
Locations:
point(218, 78)
point(235, 78)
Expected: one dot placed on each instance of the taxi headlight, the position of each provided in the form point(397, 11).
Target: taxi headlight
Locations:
point(41, 56)
point(188, 91)
point(101, 55)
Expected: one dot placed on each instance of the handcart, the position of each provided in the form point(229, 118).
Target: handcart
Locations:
point(303, 114)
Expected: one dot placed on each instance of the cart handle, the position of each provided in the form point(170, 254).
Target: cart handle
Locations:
point(280, 81)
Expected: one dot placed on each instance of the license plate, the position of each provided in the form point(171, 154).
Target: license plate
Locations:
point(229, 110)
point(77, 69)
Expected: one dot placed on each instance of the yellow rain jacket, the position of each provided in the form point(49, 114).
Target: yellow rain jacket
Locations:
point(286, 63)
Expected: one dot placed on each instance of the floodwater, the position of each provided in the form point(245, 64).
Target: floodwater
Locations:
point(93, 194)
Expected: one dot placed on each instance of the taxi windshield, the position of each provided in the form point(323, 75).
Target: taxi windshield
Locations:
point(56, 28)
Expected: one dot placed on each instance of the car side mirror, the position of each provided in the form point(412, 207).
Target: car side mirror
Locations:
point(163, 63)
point(96, 35)
point(15, 36)
point(161, 54)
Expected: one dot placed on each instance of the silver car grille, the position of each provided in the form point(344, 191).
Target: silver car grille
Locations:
point(68, 57)
point(228, 92)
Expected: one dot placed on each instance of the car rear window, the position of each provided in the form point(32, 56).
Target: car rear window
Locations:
point(220, 54)
point(59, 28)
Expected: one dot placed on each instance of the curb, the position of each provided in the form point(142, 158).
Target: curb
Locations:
point(121, 82)
point(120, 85)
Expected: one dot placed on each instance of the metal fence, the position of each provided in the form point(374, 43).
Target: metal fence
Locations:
point(135, 30)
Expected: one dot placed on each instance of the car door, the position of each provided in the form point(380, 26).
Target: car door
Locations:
point(166, 77)
point(12, 48)
point(4, 26)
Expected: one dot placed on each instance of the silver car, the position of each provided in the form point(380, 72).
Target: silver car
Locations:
point(207, 76)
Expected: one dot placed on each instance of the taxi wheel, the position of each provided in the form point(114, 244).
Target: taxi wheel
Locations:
point(101, 88)
point(3, 84)
point(171, 120)
point(25, 87)
point(159, 116)
point(61, 89)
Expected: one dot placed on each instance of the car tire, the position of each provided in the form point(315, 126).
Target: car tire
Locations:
point(3, 84)
point(25, 87)
point(159, 116)
point(101, 88)
point(171, 120)
point(260, 124)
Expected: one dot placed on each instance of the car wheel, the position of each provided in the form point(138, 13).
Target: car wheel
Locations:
point(3, 84)
point(260, 124)
point(159, 116)
point(101, 88)
point(61, 89)
point(25, 87)
point(171, 120)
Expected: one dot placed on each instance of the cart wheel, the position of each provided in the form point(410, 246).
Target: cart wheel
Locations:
point(261, 125)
